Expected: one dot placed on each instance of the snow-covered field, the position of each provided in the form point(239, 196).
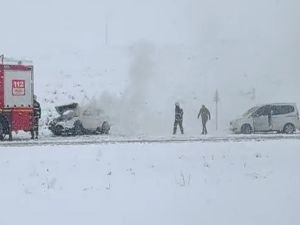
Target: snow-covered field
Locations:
point(228, 183)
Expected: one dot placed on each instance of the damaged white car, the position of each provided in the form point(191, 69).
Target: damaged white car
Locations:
point(75, 120)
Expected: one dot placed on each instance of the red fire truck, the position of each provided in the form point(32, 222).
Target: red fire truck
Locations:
point(16, 97)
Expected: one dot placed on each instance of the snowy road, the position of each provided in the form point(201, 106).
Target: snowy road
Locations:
point(98, 140)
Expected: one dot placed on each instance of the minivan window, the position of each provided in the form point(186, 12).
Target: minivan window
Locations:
point(282, 109)
point(250, 111)
point(263, 111)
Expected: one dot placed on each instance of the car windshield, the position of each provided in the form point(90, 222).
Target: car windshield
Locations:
point(250, 111)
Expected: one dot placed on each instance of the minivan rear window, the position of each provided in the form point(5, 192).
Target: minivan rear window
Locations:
point(282, 109)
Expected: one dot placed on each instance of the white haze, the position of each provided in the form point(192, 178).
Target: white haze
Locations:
point(155, 53)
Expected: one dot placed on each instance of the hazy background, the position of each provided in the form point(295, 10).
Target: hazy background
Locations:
point(136, 57)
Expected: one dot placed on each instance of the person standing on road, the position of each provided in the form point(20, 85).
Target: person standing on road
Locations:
point(205, 115)
point(36, 117)
point(178, 118)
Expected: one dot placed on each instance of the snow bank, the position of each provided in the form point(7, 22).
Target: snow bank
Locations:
point(188, 183)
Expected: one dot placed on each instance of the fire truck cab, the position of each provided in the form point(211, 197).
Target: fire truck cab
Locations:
point(16, 97)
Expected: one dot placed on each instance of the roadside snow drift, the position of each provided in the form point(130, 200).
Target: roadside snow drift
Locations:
point(185, 183)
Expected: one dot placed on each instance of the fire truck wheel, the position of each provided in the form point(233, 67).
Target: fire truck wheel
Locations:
point(1, 131)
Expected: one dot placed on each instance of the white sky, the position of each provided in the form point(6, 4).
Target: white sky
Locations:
point(34, 24)
point(248, 37)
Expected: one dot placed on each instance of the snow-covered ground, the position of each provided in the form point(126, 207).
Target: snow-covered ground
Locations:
point(228, 183)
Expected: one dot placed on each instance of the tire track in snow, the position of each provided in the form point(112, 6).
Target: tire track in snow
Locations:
point(99, 140)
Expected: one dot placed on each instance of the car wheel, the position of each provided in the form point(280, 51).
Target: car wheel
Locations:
point(289, 128)
point(104, 128)
point(78, 128)
point(246, 129)
point(58, 130)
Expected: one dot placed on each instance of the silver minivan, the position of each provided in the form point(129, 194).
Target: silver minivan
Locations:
point(279, 117)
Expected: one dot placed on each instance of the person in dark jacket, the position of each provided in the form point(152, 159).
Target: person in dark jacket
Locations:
point(205, 115)
point(178, 118)
point(36, 117)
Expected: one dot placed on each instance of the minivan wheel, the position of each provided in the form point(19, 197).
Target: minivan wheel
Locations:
point(289, 128)
point(246, 129)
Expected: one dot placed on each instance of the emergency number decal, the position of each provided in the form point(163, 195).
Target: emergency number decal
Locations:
point(18, 87)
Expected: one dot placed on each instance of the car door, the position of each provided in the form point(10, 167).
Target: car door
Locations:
point(260, 119)
point(277, 118)
point(91, 119)
point(282, 115)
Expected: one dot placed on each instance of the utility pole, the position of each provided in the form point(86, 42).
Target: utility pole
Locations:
point(253, 96)
point(217, 99)
point(106, 33)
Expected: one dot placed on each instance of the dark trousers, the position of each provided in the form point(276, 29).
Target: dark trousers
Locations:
point(35, 129)
point(176, 123)
point(204, 129)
